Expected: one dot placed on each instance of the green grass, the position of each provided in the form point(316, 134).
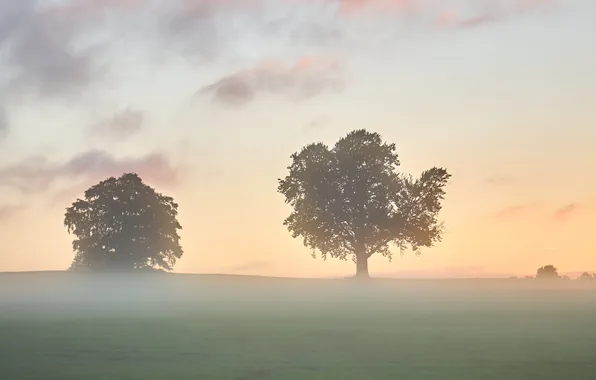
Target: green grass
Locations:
point(253, 329)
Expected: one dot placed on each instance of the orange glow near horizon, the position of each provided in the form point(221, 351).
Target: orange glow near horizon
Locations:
point(208, 103)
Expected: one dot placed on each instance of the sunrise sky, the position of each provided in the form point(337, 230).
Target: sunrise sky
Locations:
point(207, 99)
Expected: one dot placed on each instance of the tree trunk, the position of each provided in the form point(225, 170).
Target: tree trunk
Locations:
point(362, 266)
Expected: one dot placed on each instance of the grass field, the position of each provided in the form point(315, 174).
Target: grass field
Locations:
point(63, 326)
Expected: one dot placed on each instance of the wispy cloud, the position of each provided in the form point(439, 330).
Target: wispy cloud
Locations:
point(556, 214)
point(121, 125)
point(308, 77)
point(38, 174)
point(487, 12)
point(517, 210)
point(8, 210)
point(452, 19)
point(566, 212)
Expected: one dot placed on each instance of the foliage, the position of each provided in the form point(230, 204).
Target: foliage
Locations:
point(547, 272)
point(123, 224)
point(588, 276)
point(351, 202)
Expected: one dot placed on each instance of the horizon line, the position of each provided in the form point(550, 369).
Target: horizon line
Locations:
point(380, 277)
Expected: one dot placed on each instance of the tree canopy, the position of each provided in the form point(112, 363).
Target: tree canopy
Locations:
point(547, 272)
point(123, 224)
point(350, 201)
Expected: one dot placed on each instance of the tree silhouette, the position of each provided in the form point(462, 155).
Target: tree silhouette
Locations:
point(547, 272)
point(350, 200)
point(587, 276)
point(123, 224)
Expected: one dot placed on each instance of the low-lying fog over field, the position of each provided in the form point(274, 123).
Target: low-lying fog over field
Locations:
point(158, 326)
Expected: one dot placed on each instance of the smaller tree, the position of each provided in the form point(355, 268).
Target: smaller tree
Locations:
point(587, 276)
point(122, 224)
point(547, 272)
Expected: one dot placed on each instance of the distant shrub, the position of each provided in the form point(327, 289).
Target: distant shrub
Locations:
point(547, 272)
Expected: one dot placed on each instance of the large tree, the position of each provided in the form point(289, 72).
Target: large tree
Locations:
point(122, 224)
point(350, 201)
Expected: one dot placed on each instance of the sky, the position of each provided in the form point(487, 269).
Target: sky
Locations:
point(207, 100)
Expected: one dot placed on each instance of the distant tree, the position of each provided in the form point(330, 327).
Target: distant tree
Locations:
point(547, 272)
point(123, 224)
point(587, 276)
point(351, 202)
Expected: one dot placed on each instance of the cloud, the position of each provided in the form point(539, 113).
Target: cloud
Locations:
point(8, 211)
point(516, 210)
point(192, 27)
point(42, 51)
point(308, 77)
point(353, 6)
point(557, 215)
point(54, 47)
point(38, 174)
point(564, 213)
point(451, 19)
point(3, 124)
point(12, 13)
point(314, 33)
point(62, 49)
point(121, 125)
point(491, 12)
point(447, 13)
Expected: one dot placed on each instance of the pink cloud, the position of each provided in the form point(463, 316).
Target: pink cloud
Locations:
point(350, 6)
point(516, 210)
point(566, 212)
point(494, 11)
point(451, 19)
point(559, 215)
point(38, 174)
point(306, 78)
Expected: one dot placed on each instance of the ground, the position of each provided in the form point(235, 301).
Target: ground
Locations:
point(189, 327)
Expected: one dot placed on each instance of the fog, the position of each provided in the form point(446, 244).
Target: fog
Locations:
point(69, 294)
